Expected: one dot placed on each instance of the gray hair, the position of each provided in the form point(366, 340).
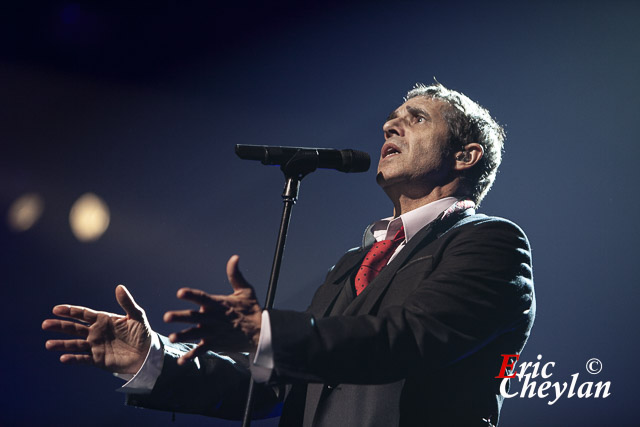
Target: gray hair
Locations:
point(468, 122)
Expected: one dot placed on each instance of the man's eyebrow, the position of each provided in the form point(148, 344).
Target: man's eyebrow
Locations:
point(415, 111)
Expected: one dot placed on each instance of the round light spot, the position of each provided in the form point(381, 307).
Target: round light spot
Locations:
point(25, 211)
point(89, 217)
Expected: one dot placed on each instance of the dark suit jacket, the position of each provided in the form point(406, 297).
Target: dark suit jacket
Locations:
point(420, 346)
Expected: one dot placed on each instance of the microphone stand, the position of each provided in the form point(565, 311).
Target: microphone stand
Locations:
point(300, 165)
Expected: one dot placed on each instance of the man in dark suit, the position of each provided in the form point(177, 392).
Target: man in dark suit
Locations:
point(408, 329)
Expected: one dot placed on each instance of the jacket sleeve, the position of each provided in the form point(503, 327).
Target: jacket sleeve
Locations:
point(479, 289)
point(215, 384)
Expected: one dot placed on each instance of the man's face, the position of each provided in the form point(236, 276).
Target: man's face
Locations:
point(415, 148)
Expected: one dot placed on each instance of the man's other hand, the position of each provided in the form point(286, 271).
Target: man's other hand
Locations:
point(109, 341)
point(223, 322)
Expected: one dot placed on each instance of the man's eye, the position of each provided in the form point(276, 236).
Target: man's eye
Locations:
point(420, 119)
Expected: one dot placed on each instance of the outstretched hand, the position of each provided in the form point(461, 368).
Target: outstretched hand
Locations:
point(109, 341)
point(223, 322)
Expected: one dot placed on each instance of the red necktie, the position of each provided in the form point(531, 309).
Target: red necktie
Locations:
point(376, 259)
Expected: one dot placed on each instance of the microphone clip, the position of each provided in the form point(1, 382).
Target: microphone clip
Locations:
point(301, 164)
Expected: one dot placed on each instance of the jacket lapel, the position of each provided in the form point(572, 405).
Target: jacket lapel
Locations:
point(365, 302)
point(327, 294)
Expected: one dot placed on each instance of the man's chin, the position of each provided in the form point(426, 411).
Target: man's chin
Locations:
point(384, 180)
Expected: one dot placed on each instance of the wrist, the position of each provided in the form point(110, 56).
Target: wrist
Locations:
point(256, 322)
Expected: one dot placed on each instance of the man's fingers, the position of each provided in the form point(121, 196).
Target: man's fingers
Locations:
point(65, 327)
point(198, 351)
point(76, 359)
point(234, 275)
point(126, 301)
point(77, 312)
point(207, 315)
point(199, 297)
point(220, 330)
point(185, 316)
point(189, 334)
point(68, 345)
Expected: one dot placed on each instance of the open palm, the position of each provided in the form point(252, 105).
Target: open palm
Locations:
point(109, 341)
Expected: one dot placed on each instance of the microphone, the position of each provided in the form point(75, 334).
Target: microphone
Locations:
point(327, 158)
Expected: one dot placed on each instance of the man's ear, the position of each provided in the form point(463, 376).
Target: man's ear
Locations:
point(469, 156)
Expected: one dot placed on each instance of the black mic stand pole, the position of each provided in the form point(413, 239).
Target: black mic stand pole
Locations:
point(300, 165)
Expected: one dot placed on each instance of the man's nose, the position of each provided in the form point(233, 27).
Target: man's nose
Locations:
point(393, 127)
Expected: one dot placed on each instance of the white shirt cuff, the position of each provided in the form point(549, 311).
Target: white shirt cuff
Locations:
point(144, 380)
point(262, 365)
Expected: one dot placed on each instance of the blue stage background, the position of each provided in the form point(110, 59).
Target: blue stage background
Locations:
point(143, 106)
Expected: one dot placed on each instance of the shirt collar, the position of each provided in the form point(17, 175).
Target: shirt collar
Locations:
point(413, 221)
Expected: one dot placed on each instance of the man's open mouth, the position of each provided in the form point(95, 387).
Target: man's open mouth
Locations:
point(389, 149)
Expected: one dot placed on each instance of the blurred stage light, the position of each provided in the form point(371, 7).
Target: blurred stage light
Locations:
point(25, 212)
point(89, 217)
